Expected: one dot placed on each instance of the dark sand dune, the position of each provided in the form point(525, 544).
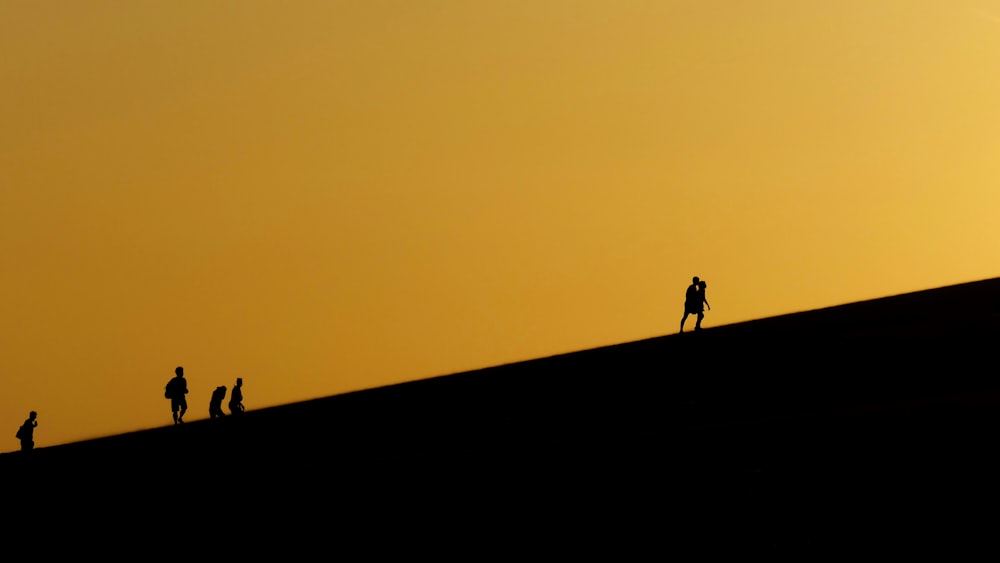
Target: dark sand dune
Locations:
point(837, 431)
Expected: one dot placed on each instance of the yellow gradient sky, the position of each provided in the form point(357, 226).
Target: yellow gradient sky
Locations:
point(322, 196)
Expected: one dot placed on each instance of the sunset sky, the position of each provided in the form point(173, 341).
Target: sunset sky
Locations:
point(323, 196)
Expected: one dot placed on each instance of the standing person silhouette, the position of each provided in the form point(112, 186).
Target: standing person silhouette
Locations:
point(176, 389)
point(26, 433)
point(236, 397)
point(694, 302)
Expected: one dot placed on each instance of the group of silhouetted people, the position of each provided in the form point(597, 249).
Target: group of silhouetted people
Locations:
point(177, 389)
point(235, 400)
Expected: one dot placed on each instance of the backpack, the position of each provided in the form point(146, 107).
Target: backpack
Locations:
point(168, 392)
point(20, 432)
point(691, 295)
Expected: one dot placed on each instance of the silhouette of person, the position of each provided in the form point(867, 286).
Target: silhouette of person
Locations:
point(694, 302)
point(215, 405)
point(176, 391)
point(26, 433)
point(236, 397)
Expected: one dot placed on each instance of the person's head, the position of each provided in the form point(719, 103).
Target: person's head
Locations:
point(239, 381)
point(32, 415)
point(702, 285)
point(695, 280)
point(179, 371)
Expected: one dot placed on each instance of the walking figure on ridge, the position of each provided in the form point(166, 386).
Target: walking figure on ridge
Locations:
point(26, 433)
point(215, 405)
point(236, 397)
point(695, 302)
point(176, 391)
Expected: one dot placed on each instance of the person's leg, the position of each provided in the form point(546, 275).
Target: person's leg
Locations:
point(697, 325)
point(684, 318)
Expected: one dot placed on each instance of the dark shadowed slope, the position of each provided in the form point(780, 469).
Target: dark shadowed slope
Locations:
point(740, 438)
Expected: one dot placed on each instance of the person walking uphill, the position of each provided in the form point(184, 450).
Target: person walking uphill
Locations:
point(26, 433)
point(695, 302)
point(236, 397)
point(215, 405)
point(176, 391)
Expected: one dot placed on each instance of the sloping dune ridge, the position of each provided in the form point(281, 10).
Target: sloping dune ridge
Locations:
point(826, 431)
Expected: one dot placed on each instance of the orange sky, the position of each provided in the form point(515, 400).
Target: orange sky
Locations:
point(326, 196)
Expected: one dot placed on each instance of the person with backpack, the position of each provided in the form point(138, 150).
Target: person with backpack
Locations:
point(176, 391)
point(26, 433)
point(695, 302)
